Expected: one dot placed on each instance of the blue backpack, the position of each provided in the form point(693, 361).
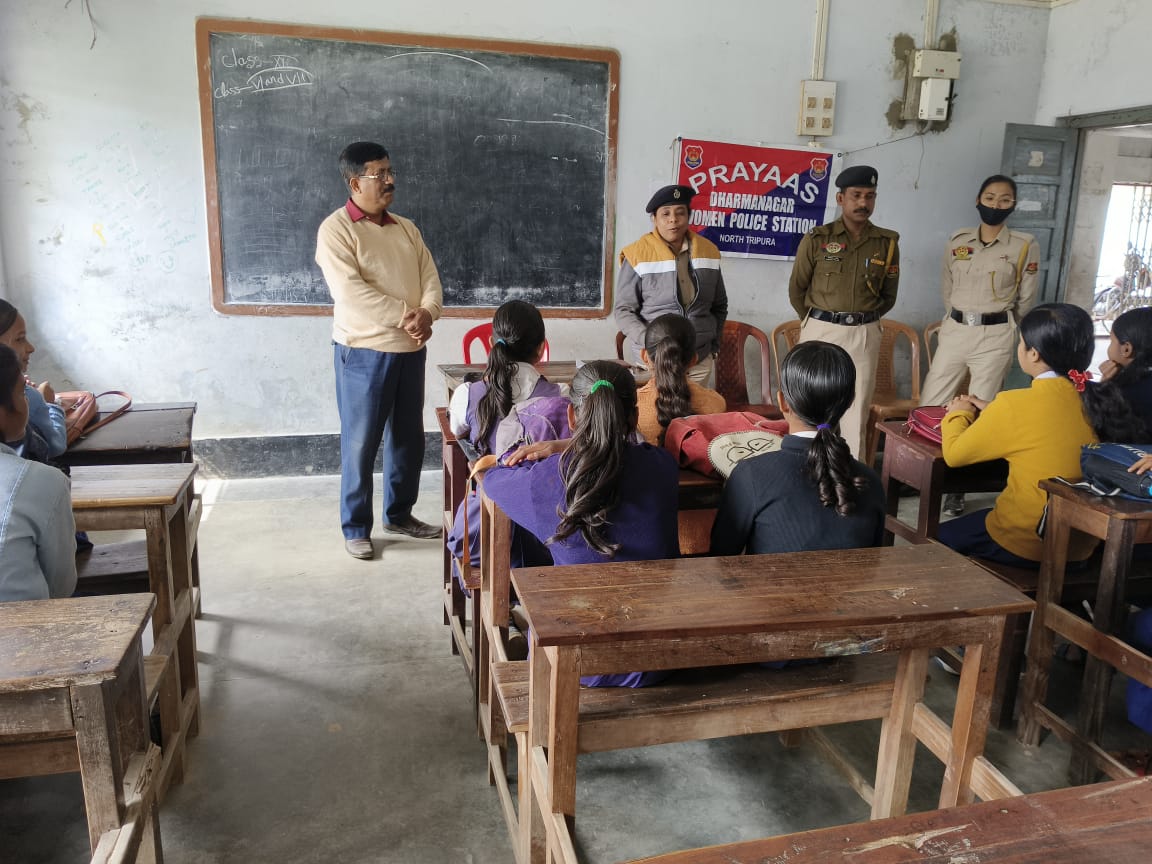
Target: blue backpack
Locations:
point(1105, 468)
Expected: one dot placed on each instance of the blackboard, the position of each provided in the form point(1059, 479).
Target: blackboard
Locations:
point(505, 155)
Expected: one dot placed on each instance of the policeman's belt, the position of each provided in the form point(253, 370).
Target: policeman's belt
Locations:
point(974, 319)
point(848, 319)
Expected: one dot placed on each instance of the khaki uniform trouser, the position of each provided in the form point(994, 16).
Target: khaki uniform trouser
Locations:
point(862, 343)
point(983, 351)
point(701, 373)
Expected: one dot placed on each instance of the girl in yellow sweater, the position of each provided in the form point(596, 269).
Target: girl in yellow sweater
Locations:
point(1038, 430)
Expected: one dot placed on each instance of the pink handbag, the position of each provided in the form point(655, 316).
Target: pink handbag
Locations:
point(925, 421)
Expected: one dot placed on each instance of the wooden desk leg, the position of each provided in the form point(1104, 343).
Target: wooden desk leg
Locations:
point(533, 834)
point(970, 719)
point(166, 631)
point(109, 722)
point(897, 740)
point(928, 516)
point(182, 582)
point(891, 495)
point(1109, 615)
point(1034, 690)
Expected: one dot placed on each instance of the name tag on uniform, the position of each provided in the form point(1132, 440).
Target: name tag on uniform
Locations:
point(833, 258)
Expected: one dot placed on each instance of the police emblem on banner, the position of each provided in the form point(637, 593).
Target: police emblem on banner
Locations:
point(819, 169)
point(693, 155)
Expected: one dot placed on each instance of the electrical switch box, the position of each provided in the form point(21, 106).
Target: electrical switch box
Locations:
point(934, 95)
point(935, 64)
point(817, 108)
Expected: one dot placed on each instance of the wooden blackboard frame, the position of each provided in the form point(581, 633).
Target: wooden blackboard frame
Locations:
point(207, 26)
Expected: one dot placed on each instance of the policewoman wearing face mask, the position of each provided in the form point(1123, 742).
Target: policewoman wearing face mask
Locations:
point(988, 282)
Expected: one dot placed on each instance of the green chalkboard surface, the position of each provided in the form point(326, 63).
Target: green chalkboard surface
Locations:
point(505, 155)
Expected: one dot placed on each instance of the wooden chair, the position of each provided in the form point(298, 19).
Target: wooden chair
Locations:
point(784, 339)
point(886, 404)
point(731, 375)
point(931, 336)
point(482, 333)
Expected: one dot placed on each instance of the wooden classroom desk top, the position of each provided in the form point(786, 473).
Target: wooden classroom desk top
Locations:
point(144, 485)
point(45, 644)
point(751, 594)
point(147, 426)
point(1106, 822)
point(1113, 508)
point(556, 371)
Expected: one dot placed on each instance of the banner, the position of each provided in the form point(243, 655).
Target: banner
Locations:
point(756, 202)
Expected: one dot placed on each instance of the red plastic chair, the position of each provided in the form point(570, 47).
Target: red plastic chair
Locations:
point(482, 333)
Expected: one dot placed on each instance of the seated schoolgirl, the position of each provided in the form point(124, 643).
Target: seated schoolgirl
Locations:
point(37, 532)
point(48, 436)
point(478, 408)
point(1039, 430)
point(511, 377)
point(810, 494)
point(1129, 364)
point(604, 498)
point(670, 351)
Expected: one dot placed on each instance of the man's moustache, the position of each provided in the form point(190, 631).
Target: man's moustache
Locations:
point(391, 187)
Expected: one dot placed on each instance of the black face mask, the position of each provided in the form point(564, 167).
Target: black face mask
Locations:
point(993, 215)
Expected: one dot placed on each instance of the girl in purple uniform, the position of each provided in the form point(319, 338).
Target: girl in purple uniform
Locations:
point(603, 498)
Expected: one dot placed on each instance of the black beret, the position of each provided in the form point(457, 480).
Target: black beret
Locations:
point(857, 175)
point(671, 195)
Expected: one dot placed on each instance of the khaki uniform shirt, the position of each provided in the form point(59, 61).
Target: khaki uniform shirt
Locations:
point(1000, 277)
point(835, 273)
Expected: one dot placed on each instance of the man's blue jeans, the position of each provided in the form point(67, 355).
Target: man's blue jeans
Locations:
point(380, 396)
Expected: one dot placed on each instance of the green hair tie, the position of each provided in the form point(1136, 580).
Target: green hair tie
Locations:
point(601, 383)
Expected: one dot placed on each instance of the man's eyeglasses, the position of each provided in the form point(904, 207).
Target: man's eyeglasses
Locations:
point(386, 173)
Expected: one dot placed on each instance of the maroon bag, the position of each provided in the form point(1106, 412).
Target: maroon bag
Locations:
point(925, 421)
point(688, 438)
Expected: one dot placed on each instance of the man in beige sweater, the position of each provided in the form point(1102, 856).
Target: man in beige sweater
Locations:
point(386, 294)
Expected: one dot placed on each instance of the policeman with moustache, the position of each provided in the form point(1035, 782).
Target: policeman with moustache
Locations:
point(844, 280)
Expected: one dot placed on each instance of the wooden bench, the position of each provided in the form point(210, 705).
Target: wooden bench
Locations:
point(137, 841)
point(1106, 822)
point(697, 704)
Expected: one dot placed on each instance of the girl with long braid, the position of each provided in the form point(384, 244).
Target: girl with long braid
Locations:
point(810, 494)
point(1039, 431)
point(1129, 363)
point(477, 407)
point(670, 351)
point(603, 498)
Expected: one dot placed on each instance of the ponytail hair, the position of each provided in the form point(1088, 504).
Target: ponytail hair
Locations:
point(1062, 335)
point(604, 396)
point(818, 380)
point(670, 341)
point(8, 316)
point(517, 334)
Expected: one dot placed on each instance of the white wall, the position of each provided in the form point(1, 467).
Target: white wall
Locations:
point(102, 218)
point(1096, 59)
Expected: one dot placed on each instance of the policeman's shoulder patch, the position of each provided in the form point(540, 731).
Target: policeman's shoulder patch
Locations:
point(1032, 267)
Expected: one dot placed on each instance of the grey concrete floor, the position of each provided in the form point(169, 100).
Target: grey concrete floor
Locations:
point(336, 724)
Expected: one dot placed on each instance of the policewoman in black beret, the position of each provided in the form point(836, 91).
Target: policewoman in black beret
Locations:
point(672, 269)
point(843, 282)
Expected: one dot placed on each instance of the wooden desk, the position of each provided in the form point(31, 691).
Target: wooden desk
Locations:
point(653, 615)
point(917, 462)
point(72, 696)
point(556, 371)
point(1120, 524)
point(149, 432)
point(157, 499)
point(1106, 822)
